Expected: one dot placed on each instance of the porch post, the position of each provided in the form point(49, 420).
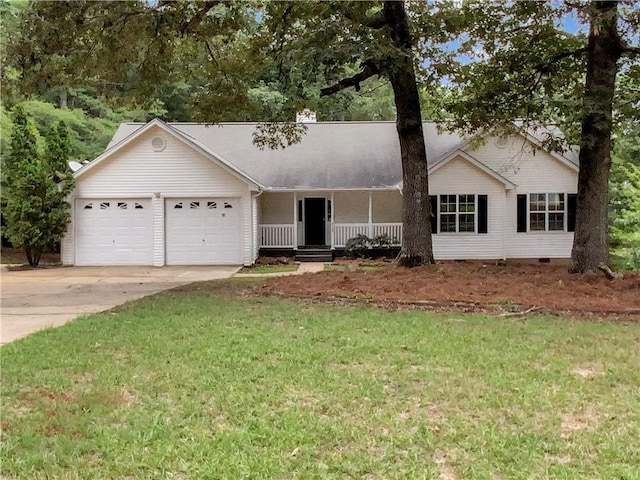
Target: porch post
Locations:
point(295, 220)
point(332, 221)
point(370, 216)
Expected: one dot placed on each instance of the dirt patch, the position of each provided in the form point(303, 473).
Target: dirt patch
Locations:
point(588, 371)
point(572, 423)
point(474, 287)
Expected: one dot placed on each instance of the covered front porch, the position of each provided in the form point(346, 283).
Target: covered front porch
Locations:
point(327, 219)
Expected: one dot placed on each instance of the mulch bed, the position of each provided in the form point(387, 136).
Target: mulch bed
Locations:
point(474, 287)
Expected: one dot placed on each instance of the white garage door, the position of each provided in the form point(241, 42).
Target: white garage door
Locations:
point(114, 232)
point(203, 231)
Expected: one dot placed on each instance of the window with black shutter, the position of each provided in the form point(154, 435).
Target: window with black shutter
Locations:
point(434, 213)
point(522, 213)
point(571, 212)
point(483, 214)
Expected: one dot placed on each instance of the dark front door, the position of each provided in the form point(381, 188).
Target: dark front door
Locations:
point(314, 221)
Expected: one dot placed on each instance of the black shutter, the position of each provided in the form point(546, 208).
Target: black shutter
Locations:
point(483, 223)
point(522, 213)
point(434, 213)
point(299, 210)
point(571, 212)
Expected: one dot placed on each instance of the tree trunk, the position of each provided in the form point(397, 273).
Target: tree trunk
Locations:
point(417, 247)
point(590, 244)
point(63, 98)
point(33, 256)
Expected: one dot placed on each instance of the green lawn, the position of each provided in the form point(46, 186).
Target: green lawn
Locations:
point(211, 384)
point(291, 267)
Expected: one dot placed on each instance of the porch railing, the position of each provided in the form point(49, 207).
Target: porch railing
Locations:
point(393, 230)
point(344, 231)
point(280, 235)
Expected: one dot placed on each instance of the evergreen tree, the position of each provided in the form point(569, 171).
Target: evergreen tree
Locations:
point(35, 189)
point(58, 150)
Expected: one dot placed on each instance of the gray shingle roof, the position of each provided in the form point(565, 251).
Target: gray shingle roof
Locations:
point(330, 155)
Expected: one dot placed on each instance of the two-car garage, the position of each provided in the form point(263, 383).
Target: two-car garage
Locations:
point(156, 197)
point(197, 231)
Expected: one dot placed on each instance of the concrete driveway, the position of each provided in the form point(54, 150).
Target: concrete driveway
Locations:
point(35, 299)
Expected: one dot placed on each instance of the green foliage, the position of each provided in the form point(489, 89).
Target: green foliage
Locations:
point(356, 247)
point(362, 246)
point(624, 191)
point(87, 136)
point(35, 187)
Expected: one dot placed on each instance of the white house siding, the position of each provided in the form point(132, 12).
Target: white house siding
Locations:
point(276, 208)
point(351, 207)
point(459, 177)
point(158, 231)
point(539, 173)
point(176, 171)
point(67, 252)
point(386, 206)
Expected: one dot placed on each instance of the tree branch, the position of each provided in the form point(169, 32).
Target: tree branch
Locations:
point(631, 51)
point(368, 71)
point(375, 21)
point(544, 67)
point(199, 16)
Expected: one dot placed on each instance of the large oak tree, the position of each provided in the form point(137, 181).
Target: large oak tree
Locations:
point(529, 68)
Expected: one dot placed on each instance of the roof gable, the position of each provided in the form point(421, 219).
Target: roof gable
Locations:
point(481, 166)
point(116, 146)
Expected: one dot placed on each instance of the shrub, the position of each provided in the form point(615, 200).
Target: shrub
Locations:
point(362, 246)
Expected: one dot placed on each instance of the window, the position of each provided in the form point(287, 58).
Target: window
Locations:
point(457, 213)
point(178, 205)
point(193, 205)
point(122, 205)
point(88, 206)
point(212, 205)
point(546, 212)
point(138, 206)
point(227, 205)
point(448, 211)
point(104, 205)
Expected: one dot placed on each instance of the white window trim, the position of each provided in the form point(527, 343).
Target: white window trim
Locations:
point(457, 214)
point(565, 213)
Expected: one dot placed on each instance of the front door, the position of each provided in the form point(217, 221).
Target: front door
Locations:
point(314, 221)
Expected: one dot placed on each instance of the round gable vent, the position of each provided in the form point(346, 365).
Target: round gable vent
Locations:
point(158, 144)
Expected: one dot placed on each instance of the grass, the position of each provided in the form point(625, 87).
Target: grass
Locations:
point(207, 383)
point(290, 267)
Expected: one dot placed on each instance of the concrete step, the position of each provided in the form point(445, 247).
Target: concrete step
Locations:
point(314, 256)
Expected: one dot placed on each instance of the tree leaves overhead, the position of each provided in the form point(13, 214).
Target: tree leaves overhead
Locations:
point(521, 63)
